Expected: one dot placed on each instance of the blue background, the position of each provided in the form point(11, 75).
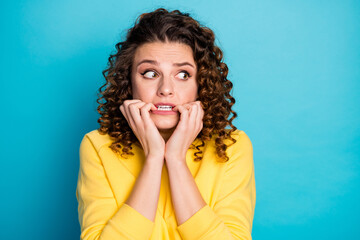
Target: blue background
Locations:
point(295, 66)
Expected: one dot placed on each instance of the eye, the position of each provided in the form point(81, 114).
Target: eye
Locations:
point(149, 74)
point(183, 75)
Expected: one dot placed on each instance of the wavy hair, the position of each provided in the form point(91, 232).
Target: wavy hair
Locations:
point(213, 91)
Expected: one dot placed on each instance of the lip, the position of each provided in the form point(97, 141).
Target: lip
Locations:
point(167, 104)
point(164, 112)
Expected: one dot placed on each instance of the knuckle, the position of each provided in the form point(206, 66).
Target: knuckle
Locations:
point(145, 106)
point(128, 102)
point(132, 106)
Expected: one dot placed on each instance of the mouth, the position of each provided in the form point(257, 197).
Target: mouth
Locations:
point(164, 109)
point(164, 106)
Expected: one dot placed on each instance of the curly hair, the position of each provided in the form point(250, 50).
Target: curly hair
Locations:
point(214, 87)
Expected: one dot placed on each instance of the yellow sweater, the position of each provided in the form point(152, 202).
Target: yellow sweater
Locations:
point(106, 180)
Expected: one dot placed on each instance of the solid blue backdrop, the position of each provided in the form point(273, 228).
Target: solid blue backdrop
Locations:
point(295, 69)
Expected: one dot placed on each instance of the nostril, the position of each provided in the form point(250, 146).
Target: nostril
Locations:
point(166, 93)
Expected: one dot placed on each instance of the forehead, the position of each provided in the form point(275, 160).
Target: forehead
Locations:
point(160, 52)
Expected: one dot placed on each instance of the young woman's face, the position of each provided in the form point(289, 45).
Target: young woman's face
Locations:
point(164, 74)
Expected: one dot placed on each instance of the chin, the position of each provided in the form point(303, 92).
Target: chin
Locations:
point(165, 122)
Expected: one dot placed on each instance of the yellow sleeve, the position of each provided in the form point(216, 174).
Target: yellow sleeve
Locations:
point(99, 216)
point(233, 212)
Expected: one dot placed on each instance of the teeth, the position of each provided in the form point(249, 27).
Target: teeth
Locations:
point(164, 108)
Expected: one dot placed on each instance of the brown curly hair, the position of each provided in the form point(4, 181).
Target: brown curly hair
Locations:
point(214, 87)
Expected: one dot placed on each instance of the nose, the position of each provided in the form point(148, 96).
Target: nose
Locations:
point(166, 87)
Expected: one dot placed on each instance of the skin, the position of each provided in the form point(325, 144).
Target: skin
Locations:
point(164, 73)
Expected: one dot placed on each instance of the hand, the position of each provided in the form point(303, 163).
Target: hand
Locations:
point(188, 128)
point(137, 115)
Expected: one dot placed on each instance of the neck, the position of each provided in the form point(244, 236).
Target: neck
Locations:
point(166, 134)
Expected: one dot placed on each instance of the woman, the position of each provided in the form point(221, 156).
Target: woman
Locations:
point(162, 165)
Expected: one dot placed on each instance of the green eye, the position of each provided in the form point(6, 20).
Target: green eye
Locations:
point(150, 74)
point(183, 75)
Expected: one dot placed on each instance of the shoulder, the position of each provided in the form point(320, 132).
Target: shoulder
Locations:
point(97, 139)
point(242, 139)
point(242, 145)
point(242, 148)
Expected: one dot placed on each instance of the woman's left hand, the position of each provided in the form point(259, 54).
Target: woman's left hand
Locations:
point(189, 126)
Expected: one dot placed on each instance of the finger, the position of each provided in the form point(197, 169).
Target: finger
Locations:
point(126, 104)
point(193, 116)
point(200, 118)
point(186, 105)
point(196, 116)
point(134, 109)
point(201, 109)
point(128, 101)
point(128, 117)
point(145, 114)
point(200, 114)
point(199, 103)
point(153, 107)
point(122, 109)
point(184, 114)
point(127, 113)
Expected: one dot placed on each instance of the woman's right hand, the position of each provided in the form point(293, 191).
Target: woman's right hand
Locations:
point(137, 115)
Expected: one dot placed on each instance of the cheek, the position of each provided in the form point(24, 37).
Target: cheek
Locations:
point(145, 94)
point(135, 93)
point(138, 92)
point(192, 93)
point(133, 89)
point(136, 88)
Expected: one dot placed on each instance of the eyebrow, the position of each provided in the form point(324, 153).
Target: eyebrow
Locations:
point(147, 61)
point(156, 63)
point(183, 64)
